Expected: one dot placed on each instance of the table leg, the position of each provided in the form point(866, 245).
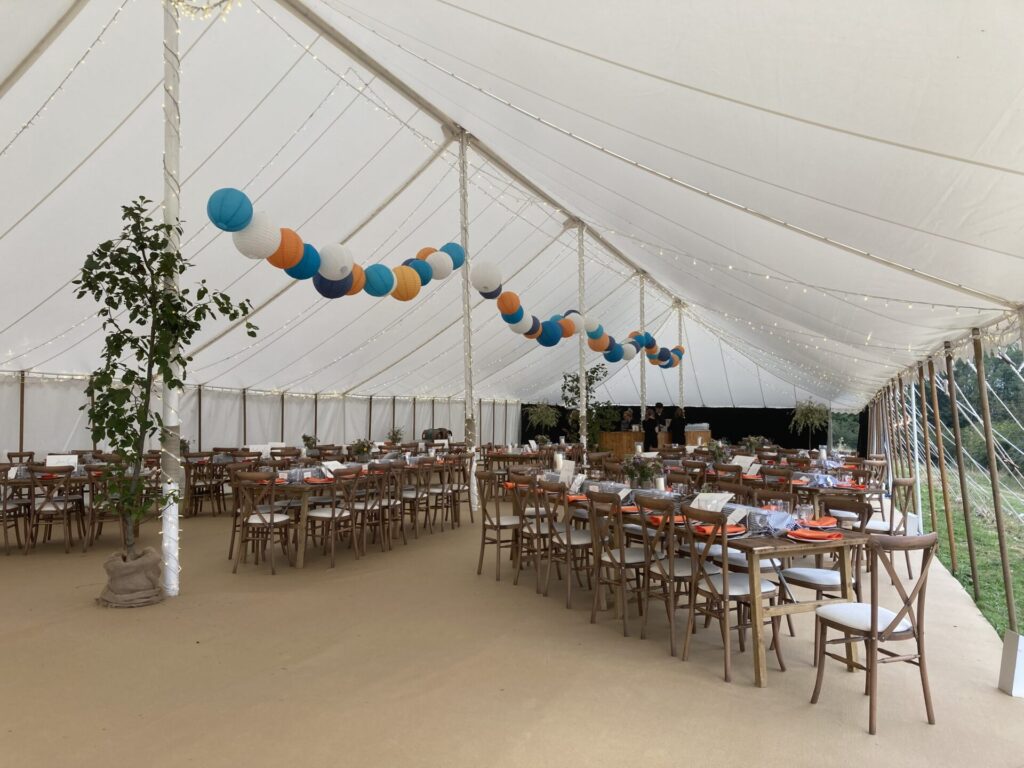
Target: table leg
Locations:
point(846, 590)
point(300, 535)
point(756, 619)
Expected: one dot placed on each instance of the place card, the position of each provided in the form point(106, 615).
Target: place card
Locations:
point(330, 467)
point(533, 445)
point(624, 493)
point(566, 471)
point(577, 484)
point(12, 473)
point(753, 469)
point(62, 460)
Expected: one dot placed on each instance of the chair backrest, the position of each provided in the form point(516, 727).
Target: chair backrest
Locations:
point(554, 497)
point(767, 457)
point(764, 495)
point(829, 504)
point(801, 463)
point(55, 484)
point(853, 461)
point(778, 478)
point(486, 491)
point(256, 494)
point(700, 546)
point(732, 473)
point(524, 497)
point(878, 468)
point(659, 529)
point(613, 470)
point(904, 500)
point(881, 548)
point(741, 494)
point(21, 457)
point(605, 512)
point(697, 471)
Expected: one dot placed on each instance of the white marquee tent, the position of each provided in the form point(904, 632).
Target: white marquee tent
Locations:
point(816, 197)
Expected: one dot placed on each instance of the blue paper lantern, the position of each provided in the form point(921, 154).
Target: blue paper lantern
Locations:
point(555, 318)
point(669, 364)
point(676, 353)
point(229, 209)
point(664, 355)
point(423, 269)
point(308, 265)
point(454, 250)
point(534, 327)
point(491, 294)
point(380, 280)
point(597, 333)
point(514, 317)
point(331, 289)
point(614, 353)
point(550, 333)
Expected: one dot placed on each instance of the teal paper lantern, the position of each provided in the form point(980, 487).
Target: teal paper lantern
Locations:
point(308, 265)
point(550, 333)
point(380, 280)
point(229, 209)
point(454, 250)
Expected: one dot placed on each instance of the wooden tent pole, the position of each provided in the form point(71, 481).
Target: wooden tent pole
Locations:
point(245, 422)
point(943, 477)
point(316, 414)
point(21, 412)
point(927, 444)
point(282, 417)
point(905, 423)
point(199, 410)
point(993, 471)
point(890, 420)
point(951, 390)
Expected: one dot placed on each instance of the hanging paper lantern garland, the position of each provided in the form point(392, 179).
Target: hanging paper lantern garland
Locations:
point(332, 268)
point(486, 279)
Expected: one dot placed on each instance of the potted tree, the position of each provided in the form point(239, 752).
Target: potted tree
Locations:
point(147, 324)
point(808, 416)
point(395, 436)
point(309, 442)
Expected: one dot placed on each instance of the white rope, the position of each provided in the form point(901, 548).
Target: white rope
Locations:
point(642, 355)
point(582, 309)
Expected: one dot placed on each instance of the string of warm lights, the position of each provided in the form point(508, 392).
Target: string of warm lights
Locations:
point(192, 9)
point(98, 40)
point(668, 177)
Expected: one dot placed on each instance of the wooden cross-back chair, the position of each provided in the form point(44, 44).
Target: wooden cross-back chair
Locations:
point(493, 524)
point(615, 563)
point(332, 510)
point(572, 546)
point(727, 473)
point(714, 593)
point(103, 506)
point(14, 510)
point(260, 522)
point(697, 473)
point(416, 494)
point(54, 503)
point(778, 478)
point(741, 494)
point(667, 576)
point(532, 543)
point(875, 625)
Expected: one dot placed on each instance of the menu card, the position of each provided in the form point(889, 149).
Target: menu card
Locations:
point(566, 472)
point(577, 483)
point(744, 462)
point(533, 445)
point(62, 460)
point(331, 466)
point(753, 469)
point(711, 502)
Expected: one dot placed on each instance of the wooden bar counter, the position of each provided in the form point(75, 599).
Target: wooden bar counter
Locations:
point(620, 444)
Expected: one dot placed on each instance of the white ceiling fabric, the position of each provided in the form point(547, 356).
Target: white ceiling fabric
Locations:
point(865, 163)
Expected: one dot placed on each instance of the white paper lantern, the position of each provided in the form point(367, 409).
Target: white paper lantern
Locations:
point(590, 324)
point(628, 351)
point(441, 263)
point(523, 325)
point(335, 261)
point(485, 276)
point(259, 239)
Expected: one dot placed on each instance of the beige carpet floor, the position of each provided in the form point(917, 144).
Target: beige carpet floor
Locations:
point(410, 659)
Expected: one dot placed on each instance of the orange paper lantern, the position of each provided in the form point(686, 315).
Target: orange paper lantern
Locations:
point(508, 302)
point(598, 345)
point(422, 253)
point(358, 280)
point(289, 252)
point(407, 283)
point(568, 328)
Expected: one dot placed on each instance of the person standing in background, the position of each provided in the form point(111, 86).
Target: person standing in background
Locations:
point(650, 425)
point(626, 425)
point(677, 427)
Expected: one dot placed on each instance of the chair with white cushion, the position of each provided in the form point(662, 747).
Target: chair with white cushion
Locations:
point(876, 626)
point(493, 523)
point(261, 523)
point(714, 594)
point(534, 534)
point(332, 510)
point(616, 565)
point(572, 545)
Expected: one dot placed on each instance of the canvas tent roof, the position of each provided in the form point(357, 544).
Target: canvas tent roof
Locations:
point(832, 190)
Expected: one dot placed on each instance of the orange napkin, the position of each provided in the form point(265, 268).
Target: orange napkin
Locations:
point(850, 466)
point(706, 530)
point(574, 497)
point(805, 534)
point(656, 519)
point(751, 477)
point(821, 522)
point(631, 508)
point(319, 480)
point(852, 486)
point(800, 481)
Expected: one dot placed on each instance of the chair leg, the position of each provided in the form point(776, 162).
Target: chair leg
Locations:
point(822, 633)
point(871, 651)
point(483, 541)
point(925, 687)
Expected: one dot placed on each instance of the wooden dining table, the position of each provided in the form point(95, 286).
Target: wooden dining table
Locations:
point(761, 547)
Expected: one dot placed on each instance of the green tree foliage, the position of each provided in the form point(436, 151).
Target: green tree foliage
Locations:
point(602, 416)
point(147, 327)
